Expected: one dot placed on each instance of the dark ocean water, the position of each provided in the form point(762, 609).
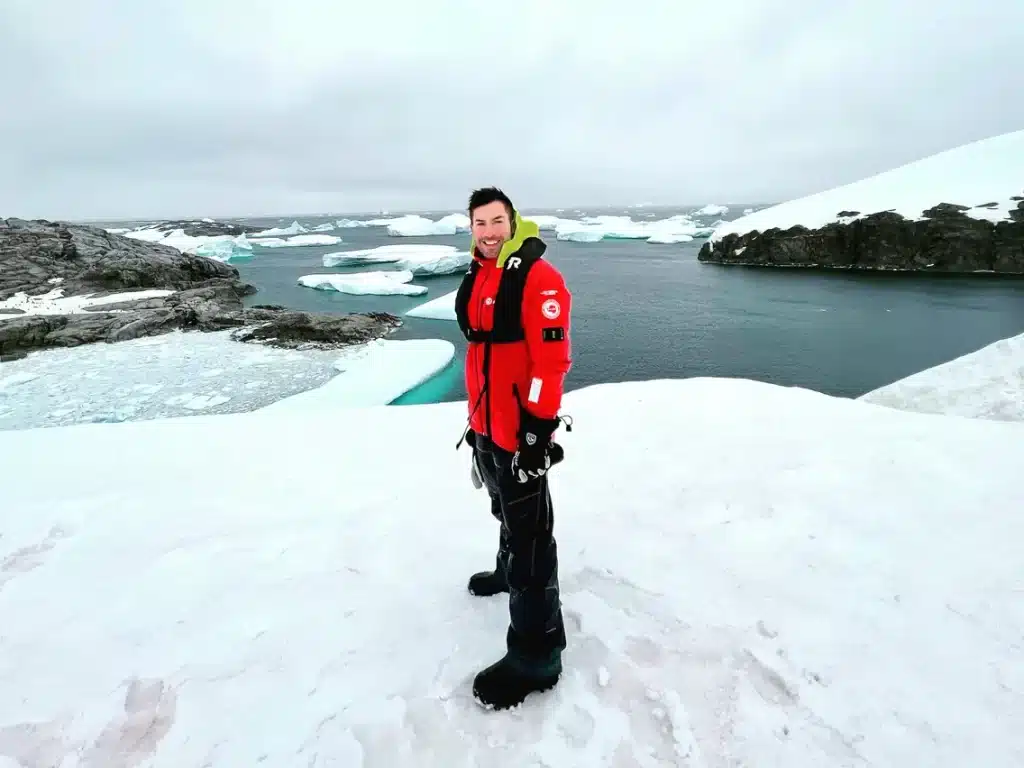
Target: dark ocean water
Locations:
point(644, 311)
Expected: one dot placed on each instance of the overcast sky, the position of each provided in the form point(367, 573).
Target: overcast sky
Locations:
point(163, 108)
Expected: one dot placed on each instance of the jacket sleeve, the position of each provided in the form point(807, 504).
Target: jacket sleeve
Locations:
point(547, 305)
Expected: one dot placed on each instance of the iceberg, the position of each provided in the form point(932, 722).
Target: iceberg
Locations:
point(984, 176)
point(418, 226)
point(292, 229)
point(225, 248)
point(297, 241)
point(592, 229)
point(848, 594)
point(421, 260)
point(985, 384)
point(711, 209)
point(358, 223)
point(441, 308)
point(365, 283)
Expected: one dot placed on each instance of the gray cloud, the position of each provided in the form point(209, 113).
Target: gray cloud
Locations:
point(162, 108)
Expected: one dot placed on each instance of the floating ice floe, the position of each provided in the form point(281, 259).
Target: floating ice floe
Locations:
point(297, 241)
point(441, 308)
point(224, 248)
point(592, 229)
point(366, 283)
point(292, 229)
point(421, 260)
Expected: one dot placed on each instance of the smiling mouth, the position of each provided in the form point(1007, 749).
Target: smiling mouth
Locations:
point(490, 241)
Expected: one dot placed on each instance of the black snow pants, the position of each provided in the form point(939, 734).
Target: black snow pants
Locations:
point(527, 555)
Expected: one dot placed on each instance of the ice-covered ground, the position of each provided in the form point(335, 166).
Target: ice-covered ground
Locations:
point(418, 259)
point(182, 374)
point(986, 384)
point(751, 574)
point(441, 308)
point(388, 283)
point(987, 176)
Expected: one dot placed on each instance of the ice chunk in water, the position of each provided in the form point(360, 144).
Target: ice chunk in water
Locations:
point(441, 308)
point(365, 283)
point(419, 259)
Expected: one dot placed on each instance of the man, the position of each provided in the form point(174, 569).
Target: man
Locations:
point(513, 307)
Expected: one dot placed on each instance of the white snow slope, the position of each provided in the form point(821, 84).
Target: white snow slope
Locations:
point(986, 171)
point(752, 575)
point(986, 384)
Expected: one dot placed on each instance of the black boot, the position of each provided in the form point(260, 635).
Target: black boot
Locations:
point(507, 682)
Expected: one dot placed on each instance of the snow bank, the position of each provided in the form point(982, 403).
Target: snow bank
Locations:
point(365, 283)
point(441, 308)
point(832, 598)
point(985, 384)
point(297, 241)
point(976, 174)
point(56, 303)
point(418, 259)
point(182, 374)
point(374, 374)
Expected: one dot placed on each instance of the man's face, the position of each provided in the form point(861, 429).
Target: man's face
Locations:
point(491, 228)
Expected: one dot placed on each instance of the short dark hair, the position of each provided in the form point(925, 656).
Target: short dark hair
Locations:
point(486, 195)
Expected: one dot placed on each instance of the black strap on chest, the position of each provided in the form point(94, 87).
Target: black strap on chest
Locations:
point(508, 311)
point(508, 302)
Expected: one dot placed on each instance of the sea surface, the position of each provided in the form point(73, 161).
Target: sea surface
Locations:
point(643, 311)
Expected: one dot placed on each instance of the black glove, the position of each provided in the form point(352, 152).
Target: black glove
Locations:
point(533, 456)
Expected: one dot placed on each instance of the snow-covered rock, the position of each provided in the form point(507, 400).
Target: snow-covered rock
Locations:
point(961, 210)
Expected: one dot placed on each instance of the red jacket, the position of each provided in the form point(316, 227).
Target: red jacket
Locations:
point(536, 365)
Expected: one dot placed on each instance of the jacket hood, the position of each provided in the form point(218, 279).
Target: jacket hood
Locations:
point(522, 230)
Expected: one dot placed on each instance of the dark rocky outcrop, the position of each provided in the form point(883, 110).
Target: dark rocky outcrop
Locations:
point(37, 257)
point(945, 241)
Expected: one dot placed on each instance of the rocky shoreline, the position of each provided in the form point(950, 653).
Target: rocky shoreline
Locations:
point(947, 240)
point(45, 261)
